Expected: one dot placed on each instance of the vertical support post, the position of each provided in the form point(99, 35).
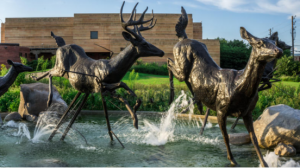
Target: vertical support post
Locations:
point(293, 37)
point(75, 116)
point(105, 113)
point(63, 116)
point(171, 99)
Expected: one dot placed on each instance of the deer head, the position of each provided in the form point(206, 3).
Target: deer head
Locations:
point(264, 49)
point(19, 67)
point(143, 48)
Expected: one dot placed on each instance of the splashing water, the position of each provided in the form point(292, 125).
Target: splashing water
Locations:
point(273, 161)
point(159, 135)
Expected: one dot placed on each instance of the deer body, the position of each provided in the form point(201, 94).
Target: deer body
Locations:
point(93, 76)
point(227, 91)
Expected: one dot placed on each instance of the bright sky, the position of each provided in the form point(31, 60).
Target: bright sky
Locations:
point(220, 18)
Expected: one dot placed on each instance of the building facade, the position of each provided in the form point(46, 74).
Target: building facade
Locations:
point(90, 31)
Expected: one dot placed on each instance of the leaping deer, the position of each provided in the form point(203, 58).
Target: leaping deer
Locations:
point(88, 75)
point(227, 91)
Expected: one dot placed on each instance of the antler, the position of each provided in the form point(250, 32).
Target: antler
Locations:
point(136, 30)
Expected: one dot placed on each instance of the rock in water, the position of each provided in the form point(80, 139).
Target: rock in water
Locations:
point(279, 123)
point(13, 116)
point(239, 138)
point(34, 98)
point(285, 150)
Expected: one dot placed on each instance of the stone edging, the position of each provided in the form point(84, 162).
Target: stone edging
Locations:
point(212, 119)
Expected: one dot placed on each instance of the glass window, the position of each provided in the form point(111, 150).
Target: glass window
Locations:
point(94, 35)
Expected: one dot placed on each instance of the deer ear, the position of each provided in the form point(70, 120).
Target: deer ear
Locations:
point(127, 36)
point(10, 62)
point(248, 36)
point(274, 36)
point(244, 33)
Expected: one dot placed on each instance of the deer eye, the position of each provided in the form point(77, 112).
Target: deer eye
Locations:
point(260, 43)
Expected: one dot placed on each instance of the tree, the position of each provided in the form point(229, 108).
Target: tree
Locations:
point(234, 54)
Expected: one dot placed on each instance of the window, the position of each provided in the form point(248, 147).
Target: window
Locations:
point(121, 49)
point(25, 55)
point(20, 54)
point(94, 35)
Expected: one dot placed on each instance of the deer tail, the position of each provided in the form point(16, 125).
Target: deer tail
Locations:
point(181, 25)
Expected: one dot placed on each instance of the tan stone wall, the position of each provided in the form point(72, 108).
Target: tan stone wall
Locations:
point(76, 30)
point(213, 47)
point(2, 33)
point(36, 31)
point(197, 30)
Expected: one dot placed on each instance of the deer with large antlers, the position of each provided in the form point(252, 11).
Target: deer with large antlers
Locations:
point(227, 91)
point(92, 76)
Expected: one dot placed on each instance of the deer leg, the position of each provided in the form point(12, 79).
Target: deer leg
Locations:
point(50, 96)
point(41, 77)
point(115, 86)
point(63, 116)
point(132, 113)
point(222, 123)
point(249, 125)
point(235, 123)
point(205, 120)
point(75, 116)
point(171, 68)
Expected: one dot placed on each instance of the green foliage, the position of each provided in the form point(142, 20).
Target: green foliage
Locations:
point(52, 61)
point(40, 61)
point(10, 100)
point(133, 77)
point(287, 52)
point(290, 78)
point(150, 68)
point(287, 66)
point(33, 64)
point(4, 70)
point(24, 61)
point(45, 64)
point(234, 54)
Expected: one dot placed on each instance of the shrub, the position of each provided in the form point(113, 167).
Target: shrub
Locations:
point(287, 66)
point(24, 61)
point(150, 68)
point(4, 70)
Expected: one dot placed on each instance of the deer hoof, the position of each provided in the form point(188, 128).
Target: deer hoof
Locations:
point(234, 163)
point(34, 78)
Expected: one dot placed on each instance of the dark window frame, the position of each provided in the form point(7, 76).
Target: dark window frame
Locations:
point(94, 35)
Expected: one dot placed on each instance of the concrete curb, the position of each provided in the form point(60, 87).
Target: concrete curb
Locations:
point(212, 119)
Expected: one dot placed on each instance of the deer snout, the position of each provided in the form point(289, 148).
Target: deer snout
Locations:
point(161, 54)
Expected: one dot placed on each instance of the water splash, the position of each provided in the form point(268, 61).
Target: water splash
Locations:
point(160, 135)
point(273, 161)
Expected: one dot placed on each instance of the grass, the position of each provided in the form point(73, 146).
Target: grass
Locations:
point(288, 83)
point(149, 79)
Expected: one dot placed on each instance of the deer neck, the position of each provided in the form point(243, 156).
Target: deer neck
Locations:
point(251, 77)
point(8, 79)
point(120, 64)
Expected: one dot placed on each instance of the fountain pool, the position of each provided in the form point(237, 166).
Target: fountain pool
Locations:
point(161, 141)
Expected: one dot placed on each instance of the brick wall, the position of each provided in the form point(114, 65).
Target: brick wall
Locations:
point(197, 30)
point(2, 33)
point(10, 52)
point(76, 30)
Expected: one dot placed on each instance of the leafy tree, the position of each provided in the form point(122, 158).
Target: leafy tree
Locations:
point(287, 66)
point(234, 54)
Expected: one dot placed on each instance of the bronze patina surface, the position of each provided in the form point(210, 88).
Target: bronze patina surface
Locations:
point(227, 91)
point(94, 76)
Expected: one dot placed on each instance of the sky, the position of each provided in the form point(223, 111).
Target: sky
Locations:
point(220, 18)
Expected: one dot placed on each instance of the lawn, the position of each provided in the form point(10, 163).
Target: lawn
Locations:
point(150, 79)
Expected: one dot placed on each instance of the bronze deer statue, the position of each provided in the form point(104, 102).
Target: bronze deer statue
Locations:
point(7, 80)
point(93, 76)
point(227, 91)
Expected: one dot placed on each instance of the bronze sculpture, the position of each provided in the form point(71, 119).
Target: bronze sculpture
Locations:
point(227, 91)
point(7, 80)
point(93, 76)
